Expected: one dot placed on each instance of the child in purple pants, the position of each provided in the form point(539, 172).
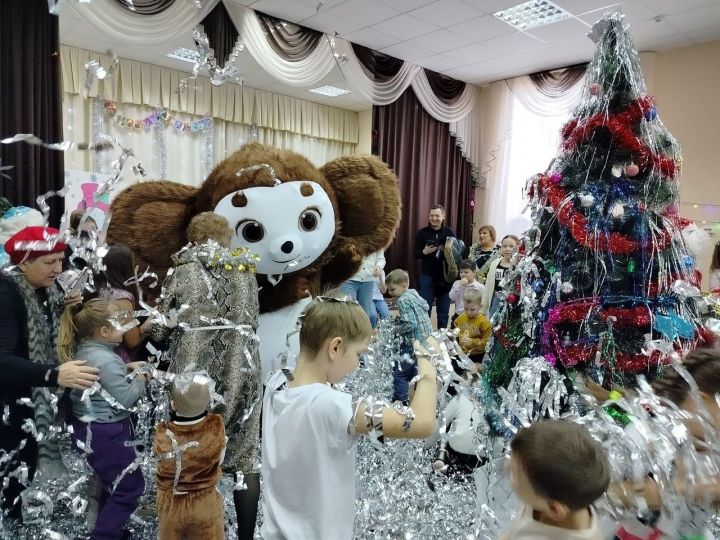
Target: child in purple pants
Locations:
point(101, 421)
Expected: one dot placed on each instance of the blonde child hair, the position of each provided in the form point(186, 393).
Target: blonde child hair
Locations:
point(472, 296)
point(327, 318)
point(209, 226)
point(82, 321)
point(397, 277)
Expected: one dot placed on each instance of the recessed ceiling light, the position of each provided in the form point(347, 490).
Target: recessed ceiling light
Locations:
point(184, 54)
point(532, 14)
point(331, 91)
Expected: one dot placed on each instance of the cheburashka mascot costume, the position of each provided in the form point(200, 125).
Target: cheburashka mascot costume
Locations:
point(310, 228)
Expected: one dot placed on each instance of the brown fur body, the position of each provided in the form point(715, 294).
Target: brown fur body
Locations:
point(198, 511)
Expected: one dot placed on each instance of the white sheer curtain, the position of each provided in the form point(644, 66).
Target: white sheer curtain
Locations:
point(378, 93)
point(123, 25)
point(186, 156)
point(304, 72)
point(520, 136)
point(437, 108)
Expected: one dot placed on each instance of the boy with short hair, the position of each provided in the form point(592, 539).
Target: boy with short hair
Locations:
point(475, 328)
point(310, 429)
point(413, 310)
point(467, 281)
point(558, 471)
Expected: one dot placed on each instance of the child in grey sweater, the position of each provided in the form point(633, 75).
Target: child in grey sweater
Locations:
point(101, 414)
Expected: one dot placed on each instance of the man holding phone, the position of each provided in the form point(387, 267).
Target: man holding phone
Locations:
point(429, 243)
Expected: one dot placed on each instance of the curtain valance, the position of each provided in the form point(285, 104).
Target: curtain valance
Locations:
point(294, 55)
point(146, 84)
point(540, 102)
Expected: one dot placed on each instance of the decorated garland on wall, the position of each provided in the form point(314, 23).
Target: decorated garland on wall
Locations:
point(159, 117)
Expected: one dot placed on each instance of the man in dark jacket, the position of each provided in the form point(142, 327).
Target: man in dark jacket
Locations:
point(429, 243)
point(26, 327)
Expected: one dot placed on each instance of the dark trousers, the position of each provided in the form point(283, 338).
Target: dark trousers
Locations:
point(403, 372)
point(110, 456)
point(438, 293)
point(11, 440)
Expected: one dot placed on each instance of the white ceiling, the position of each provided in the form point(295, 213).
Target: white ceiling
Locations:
point(459, 38)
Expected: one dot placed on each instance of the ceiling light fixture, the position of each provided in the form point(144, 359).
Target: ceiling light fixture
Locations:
point(330, 91)
point(184, 54)
point(532, 14)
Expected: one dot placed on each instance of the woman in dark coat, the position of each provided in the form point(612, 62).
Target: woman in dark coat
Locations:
point(28, 314)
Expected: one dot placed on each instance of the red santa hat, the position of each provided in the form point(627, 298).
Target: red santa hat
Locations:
point(32, 242)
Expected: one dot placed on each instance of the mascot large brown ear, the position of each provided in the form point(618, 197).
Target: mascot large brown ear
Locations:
point(151, 218)
point(369, 206)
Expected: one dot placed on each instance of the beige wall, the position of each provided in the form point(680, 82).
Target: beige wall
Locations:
point(686, 84)
point(365, 132)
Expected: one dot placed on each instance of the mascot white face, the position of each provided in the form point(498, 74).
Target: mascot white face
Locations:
point(288, 225)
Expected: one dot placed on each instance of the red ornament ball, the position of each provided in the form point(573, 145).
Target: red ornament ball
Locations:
point(512, 298)
point(672, 210)
point(632, 170)
point(595, 89)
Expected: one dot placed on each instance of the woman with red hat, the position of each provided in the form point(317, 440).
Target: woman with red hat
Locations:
point(29, 311)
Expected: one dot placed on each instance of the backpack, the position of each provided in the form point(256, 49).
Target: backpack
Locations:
point(452, 256)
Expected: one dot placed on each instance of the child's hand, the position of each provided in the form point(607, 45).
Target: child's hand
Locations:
point(439, 467)
point(465, 340)
point(132, 366)
point(476, 368)
point(72, 298)
point(463, 281)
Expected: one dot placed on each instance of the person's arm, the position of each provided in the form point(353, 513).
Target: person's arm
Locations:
point(380, 260)
point(113, 378)
point(404, 311)
point(423, 405)
point(485, 330)
point(455, 290)
point(420, 242)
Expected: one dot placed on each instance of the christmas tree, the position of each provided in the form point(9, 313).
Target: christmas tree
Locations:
point(604, 281)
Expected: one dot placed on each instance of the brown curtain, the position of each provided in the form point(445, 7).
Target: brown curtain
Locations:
point(378, 65)
point(556, 82)
point(147, 7)
point(30, 101)
point(221, 33)
point(430, 168)
point(291, 41)
point(445, 88)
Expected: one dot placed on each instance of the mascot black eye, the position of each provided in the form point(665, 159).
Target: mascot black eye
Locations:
point(250, 230)
point(309, 220)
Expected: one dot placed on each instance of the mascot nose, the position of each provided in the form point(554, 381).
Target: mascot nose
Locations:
point(286, 247)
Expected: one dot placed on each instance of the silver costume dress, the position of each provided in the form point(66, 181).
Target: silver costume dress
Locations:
point(215, 294)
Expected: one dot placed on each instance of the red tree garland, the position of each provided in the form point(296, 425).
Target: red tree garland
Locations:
point(577, 224)
point(620, 126)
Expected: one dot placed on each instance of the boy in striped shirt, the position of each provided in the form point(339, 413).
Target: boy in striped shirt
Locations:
point(414, 311)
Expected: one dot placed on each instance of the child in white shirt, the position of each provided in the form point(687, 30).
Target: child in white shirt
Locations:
point(310, 430)
point(467, 281)
point(558, 471)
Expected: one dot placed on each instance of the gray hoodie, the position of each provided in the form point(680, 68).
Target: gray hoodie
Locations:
point(113, 381)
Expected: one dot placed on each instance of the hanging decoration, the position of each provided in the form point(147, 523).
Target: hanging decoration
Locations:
point(159, 117)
